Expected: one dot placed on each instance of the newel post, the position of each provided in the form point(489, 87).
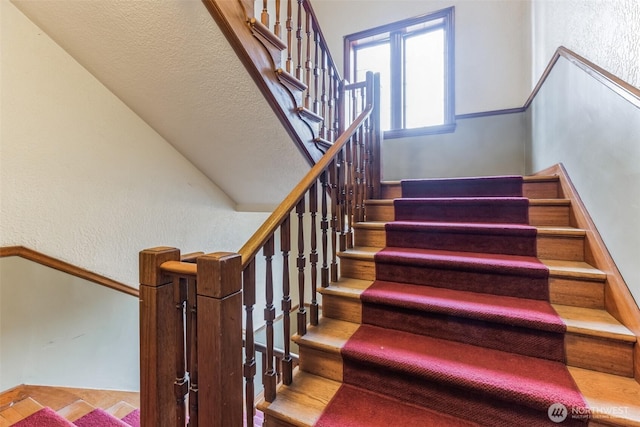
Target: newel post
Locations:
point(219, 312)
point(158, 328)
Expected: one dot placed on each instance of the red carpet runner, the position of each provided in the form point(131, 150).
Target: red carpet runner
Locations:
point(46, 417)
point(457, 328)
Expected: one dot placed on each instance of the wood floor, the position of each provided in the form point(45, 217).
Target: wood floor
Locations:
point(72, 403)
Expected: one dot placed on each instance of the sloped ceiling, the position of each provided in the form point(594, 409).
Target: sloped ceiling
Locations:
point(169, 62)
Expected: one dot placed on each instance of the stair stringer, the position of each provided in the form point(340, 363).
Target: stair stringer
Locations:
point(234, 19)
point(618, 299)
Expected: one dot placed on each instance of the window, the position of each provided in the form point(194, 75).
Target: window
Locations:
point(415, 60)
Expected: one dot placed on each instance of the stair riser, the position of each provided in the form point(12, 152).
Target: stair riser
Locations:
point(549, 215)
point(565, 248)
point(342, 308)
point(358, 268)
point(576, 292)
point(322, 363)
point(541, 190)
point(568, 248)
point(600, 354)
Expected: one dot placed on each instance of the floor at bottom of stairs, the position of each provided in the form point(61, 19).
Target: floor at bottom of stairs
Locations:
point(72, 403)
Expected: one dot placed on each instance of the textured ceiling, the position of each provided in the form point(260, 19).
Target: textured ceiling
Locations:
point(169, 62)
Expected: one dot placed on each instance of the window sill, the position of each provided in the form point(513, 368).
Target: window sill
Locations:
point(429, 130)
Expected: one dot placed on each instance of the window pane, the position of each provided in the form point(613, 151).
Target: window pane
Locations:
point(424, 92)
point(377, 58)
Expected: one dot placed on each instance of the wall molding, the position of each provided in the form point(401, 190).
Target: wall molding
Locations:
point(65, 267)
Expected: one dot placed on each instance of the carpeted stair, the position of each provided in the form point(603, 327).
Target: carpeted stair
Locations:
point(457, 328)
point(47, 417)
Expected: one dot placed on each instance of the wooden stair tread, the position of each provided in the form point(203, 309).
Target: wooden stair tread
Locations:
point(540, 178)
point(360, 252)
point(588, 321)
point(301, 403)
point(549, 202)
point(370, 225)
point(121, 409)
point(330, 335)
point(560, 231)
point(573, 269)
point(610, 392)
point(76, 410)
point(18, 411)
point(346, 287)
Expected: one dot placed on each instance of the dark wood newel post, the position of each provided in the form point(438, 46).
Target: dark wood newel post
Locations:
point(158, 328)
point(220, 370)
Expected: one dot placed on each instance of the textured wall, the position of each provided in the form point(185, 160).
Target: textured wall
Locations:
point(56, 329)
point(84, 179)
point(606, 32)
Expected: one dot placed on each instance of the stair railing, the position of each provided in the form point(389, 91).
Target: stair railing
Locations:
point(195, 310)
point(283, 47)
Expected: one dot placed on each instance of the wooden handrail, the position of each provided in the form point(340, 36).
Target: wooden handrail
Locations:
point(619, 86)
point(65, 267)
point(260, 237)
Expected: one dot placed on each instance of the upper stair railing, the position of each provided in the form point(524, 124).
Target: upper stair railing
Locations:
point(283, 48)
point(197, 311)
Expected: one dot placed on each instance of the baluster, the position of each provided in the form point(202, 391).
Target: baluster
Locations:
point(269, 316)
point(264, 16)
point(342, 197)
point(289, 35)
point(324, 226)
point(285, 246)
point(316, 73)
point(362, 178)
point(333, 178)
point(313, 256)
point(299, 38)
point(349, 190)
point(249, 300)
point(323, 97)
point(330, 134)
point(181, 384)
point(308, 64)
point(302, 311)
point(357, 190)
point(277, 28)
point(192, 351)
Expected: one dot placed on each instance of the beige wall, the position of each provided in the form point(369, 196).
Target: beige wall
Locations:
point(84, 179)
point(606, 32)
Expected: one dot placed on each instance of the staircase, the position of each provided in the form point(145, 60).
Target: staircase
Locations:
point(595, 348)
point(26, 406)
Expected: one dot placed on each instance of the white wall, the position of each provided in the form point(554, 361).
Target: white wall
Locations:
point(492, 72)
point(491, 40)
point(606, 32)
point(56, 329)
point(595, 133)
point(83, 179)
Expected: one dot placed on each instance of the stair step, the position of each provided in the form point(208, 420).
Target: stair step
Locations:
point(76, 410)
point(542, 212)
point(121, 409)
point(301, 403)
point(319, 348)
point(541, 187)
point(549, 212)
point(533, 187)
point(341, 299)
point(597, 341)
point(18, 411)
point(357, 262)
point(615, 400)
